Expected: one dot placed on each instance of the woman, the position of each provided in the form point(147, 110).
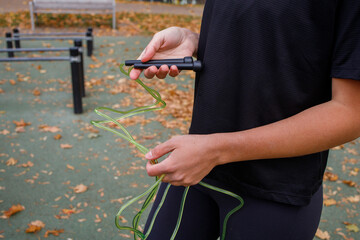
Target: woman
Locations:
point(279, 88)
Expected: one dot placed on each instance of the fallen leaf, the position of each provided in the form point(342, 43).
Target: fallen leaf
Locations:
point(46, 128)
point(35, 226)
point(54, 232)
point(36, 92)
point(11, 162)
point(80, 188)
point(66, 146)
point(32, 229)
point(92, 135)
point(354, 199)
point(20, 129)
point(110, 77)
point(349, 183)
point(330, 176)
point(25, 165)
point(323, 235)
point(70, 167)
point(329, 202)
point(4, 132)
point(57, 137)
point(12, 210)
point(21, 123)
point(352, 227)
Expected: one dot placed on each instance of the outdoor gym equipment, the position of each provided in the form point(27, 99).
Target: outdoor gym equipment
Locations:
point(150, 193)
point(18, 37)
point(186, 63)
point(76, 64)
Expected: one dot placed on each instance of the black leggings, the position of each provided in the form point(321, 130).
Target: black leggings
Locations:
point(258, 219)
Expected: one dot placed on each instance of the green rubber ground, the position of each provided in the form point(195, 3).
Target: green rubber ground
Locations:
point(107, 166)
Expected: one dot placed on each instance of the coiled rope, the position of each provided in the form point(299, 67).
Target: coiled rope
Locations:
point(151, 191)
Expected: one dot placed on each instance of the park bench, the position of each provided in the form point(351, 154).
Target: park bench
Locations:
point(72, 6)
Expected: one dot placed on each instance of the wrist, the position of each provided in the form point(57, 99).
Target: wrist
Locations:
point(226, 147)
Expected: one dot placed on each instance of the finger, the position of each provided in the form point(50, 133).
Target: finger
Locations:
point(173, 71)
point(160, 150)
point(150, 72)
point(153, 46)
point(135, 73)
point(157, 169)
point(163, 71)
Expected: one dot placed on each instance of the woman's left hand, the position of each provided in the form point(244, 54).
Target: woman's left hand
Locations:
point(191, 158)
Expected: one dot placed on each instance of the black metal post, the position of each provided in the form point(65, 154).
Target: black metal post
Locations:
point(78, 44)
point(75, 78)
point(89, 43)
point(16, 36)
point(9, 44)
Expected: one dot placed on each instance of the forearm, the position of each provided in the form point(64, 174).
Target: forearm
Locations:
point(315, 129)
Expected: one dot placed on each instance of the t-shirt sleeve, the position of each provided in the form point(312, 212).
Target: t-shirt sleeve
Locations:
point(346, 53)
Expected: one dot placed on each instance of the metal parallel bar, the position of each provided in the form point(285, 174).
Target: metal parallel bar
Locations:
point(50, 34)
point(34, 50)
point(58, 36)
point(15, 34)
point(75, 79)
point(26, 59)
point(9, 44)
point(89, 43)
point(77, 72)
point(78, 44)
point(51, 38)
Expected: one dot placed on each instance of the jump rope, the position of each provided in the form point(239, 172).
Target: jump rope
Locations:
point(186, 63)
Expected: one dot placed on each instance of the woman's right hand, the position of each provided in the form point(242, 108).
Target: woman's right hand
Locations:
point(173, 42)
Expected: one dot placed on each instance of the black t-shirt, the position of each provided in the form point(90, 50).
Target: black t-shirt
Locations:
point(266, 61)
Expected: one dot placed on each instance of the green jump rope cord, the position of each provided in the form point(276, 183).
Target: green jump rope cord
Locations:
point(152, 190)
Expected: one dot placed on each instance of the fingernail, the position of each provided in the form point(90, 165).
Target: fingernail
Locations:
point(149, 155)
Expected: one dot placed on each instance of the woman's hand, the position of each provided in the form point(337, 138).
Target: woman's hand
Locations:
point(191, 158)
point(173, 42)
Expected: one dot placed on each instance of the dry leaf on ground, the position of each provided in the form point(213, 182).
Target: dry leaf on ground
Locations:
point(331, 176)
point(349, 183)
point(66, 146)
point(46, 128)
point(323, 235)
point(35, 226)
point(55, 232)
point(57, 137)
point(21, 123)
point(12, 210)
point(11, 162)
point(329, 202)
point(80, 188)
